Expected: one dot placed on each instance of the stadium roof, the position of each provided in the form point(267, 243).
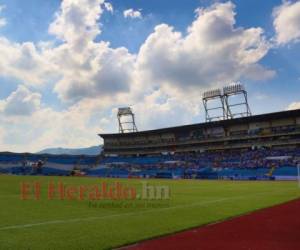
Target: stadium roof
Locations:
point(240, 120)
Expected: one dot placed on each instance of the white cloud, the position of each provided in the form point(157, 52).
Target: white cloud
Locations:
point(2, 19)
point(214, 52)
point(109, 7)
point(102, 71)
point(294, 105)
point(24, 62)
point(42, 127)
point(21, 102)
point(87, 68)
point(261, 96)
point(287, 22)
point(159, 109)
point(2, 22)
point(131, 13)
point(76, 22)
point(163, 81)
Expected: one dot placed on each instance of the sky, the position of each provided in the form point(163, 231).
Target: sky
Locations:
point(67, 65)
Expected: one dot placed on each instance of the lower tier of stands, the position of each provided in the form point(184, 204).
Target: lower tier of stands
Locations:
point(280, 173)
point(246, 164)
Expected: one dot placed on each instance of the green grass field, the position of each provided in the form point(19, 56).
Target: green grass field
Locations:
point(73, 224)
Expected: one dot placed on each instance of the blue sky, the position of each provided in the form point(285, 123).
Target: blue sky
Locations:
point(52, 71)
point(34, 16)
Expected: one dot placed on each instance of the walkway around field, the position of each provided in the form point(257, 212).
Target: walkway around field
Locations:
point(275, 228)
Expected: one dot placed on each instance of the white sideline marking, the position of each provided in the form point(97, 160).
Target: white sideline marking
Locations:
point(112, 215)
point(125, 214)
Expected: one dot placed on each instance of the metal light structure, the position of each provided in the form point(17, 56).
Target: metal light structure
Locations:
point(126, 126)
point(226, 109)
point(236, 89)
point(213, 96)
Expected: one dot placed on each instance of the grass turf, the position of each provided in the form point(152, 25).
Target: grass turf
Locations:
point(73, 224)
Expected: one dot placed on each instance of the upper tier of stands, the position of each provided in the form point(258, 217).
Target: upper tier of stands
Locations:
point(281, 129)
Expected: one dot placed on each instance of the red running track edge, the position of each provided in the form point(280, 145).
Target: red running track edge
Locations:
point(275, 228)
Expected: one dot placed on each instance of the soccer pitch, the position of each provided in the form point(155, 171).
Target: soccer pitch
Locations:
point(81, 224)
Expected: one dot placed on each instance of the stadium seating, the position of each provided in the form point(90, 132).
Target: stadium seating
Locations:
point(246, 164)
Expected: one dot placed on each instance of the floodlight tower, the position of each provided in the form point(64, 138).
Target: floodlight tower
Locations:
point(129, 124)
point(209, 97)
point(236, 89)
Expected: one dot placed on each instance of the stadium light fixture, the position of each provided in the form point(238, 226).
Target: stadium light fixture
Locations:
point(128, 125)
point(236, 89)
point(207, 98)
point(212, 93)
point(223, 96)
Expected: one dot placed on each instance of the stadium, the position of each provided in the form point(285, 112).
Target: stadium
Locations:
point(227, 183)
point(141, 125)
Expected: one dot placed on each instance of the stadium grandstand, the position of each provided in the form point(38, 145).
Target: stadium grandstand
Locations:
point(45, 164)
point(275, 130)
point(230, 144)
point(254, 147)
point(234, 144)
